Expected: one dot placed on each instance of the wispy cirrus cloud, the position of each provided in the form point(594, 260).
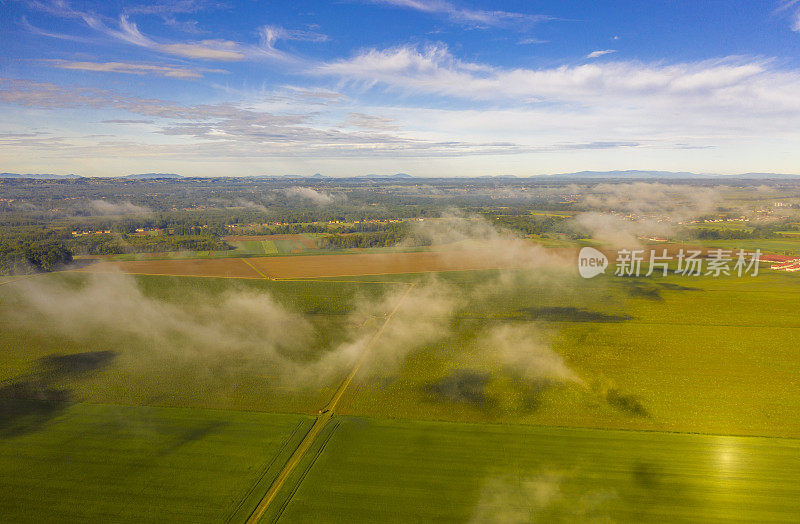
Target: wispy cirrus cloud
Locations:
point(170, 7)
point(602, 52)
point(124, 29)
point(791, 7)
point(126, 121)
point(472, 17)
point(365, 121)
point(646, 105)
point(225, 130)
point(131, 68)
point(128, 32)
point(532, 41)
point(786, 5)
point(749, 84)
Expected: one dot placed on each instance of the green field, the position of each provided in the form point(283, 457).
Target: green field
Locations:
point(781, 246)
point(403, 471)
point(672, 354)
point(175, 342)
point(108, 463)
point(159, 398)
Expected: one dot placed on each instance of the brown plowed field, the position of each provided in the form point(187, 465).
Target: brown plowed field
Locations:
point(381, 263)
point(207, 267)
point(316, 266)
point(354, 264)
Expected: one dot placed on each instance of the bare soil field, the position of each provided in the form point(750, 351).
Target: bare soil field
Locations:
point(317, 266)
point(205, 267)
point(354, 264)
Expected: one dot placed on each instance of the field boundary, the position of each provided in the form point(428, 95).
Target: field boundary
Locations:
point(263, 473)
point(254, 268)
point(296, 485)
point(322, 419)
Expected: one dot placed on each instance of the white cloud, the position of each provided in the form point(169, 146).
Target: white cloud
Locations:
point(786, 4)
point(164, 7)
point(796, 22)
point(320, 198)
point(132, 68)
point(595, 54)
point(735, 83)
point(529, 41)
point(471, 17)
point(125, 30)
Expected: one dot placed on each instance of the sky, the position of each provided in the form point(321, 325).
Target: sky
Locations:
point(426, 87)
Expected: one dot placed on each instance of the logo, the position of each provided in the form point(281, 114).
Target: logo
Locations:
point(591, 262)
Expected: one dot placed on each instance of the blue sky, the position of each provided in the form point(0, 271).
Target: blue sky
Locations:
point(428, 87)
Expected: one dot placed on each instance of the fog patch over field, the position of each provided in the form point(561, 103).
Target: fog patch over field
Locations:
point(236, 324)
point(653, 197)
point(320, 198)
point(106, 208)
point(547, 496)
point(523, 350)
point(618, 232)
point(250, 330)
point(619, 214)
point(508, 499)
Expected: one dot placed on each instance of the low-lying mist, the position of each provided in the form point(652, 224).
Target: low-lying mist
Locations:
point(258, 334)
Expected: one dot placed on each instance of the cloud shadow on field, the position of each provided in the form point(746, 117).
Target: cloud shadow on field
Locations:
point(462, 386)
point(627, 404)
point(26, 407)
point(569, 314)
point(76, 363)
point(652, 290)
point(533, 391)
point(31, 401)
point(193, 434)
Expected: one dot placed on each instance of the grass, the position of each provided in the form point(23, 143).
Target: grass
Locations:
point(141, 464)
point(782, 246)
point(404, 471)
point(671, 354)
point(167, 371)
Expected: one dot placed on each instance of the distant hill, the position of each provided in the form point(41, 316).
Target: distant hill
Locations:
point(626, 174)
point(39, 176)
point(650, 175)
point(150, 176)
point(398, 175)
point(759, 176)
